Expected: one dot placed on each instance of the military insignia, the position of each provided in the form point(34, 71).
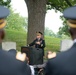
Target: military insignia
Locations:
point(41, 45)
point(21, 56)
point(4, 12)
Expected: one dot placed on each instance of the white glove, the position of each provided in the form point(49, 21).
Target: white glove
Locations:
point(20, 56)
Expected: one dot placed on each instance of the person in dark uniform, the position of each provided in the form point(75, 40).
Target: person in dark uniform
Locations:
point(65, 62)
point(38, 42)
point(10, 64)
point(13, 52)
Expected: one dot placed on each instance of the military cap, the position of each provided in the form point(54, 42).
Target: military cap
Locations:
point(70, 15)
point(4, 12)
point(39, 33)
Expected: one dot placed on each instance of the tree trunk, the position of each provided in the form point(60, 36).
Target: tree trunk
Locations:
point(36, 18)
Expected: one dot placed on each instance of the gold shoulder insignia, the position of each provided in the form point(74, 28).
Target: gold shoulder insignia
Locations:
point(41, 45)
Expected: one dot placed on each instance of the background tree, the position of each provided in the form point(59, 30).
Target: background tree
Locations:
point(60, 5)
point(16, 22)
point(5, 2)
point(64, 29)
point(49, 32)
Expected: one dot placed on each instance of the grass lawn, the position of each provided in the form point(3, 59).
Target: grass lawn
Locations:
point(19, 37)
point(16, 36)
point(52, 43)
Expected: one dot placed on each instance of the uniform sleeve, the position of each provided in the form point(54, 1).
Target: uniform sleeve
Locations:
point(32, 43)
point(43, 44)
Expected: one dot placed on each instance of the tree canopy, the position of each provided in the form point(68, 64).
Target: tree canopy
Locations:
point(60, 5)
point(5, 2)
point(16, 22)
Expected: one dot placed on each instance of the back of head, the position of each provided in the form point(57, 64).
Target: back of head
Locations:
point(4, 12)
point(70, 15)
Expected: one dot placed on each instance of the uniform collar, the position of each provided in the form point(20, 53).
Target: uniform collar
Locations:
point(74, 40)
point(40, 39)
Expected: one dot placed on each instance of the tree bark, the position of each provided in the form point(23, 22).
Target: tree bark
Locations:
point(36, 18)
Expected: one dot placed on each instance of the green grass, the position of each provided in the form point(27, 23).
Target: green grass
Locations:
point(52, 43)
point(19, 37)
point(16, 36)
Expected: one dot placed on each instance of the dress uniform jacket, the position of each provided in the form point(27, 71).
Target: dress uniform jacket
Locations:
point(9, 65)
point(63, 64)
point(41, 46)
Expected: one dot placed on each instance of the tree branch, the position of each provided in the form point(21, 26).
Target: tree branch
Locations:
point(54, 6)
point(68, 2)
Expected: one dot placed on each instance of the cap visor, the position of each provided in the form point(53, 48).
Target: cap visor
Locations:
point(2, 25)
point(71, 25)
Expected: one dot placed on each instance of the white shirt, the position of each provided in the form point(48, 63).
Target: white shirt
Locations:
point(32, 70)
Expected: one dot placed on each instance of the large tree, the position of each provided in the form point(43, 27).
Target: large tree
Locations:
point(5, 2)
point(36, 17)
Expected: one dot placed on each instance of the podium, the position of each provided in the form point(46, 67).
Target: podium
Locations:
point(34, 54)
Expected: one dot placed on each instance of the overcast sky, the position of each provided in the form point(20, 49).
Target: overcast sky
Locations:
point(52, 19)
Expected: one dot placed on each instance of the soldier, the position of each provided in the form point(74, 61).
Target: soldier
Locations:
point(38, 51)
point(10, 64)
point(38, 42)
point(65, 62)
